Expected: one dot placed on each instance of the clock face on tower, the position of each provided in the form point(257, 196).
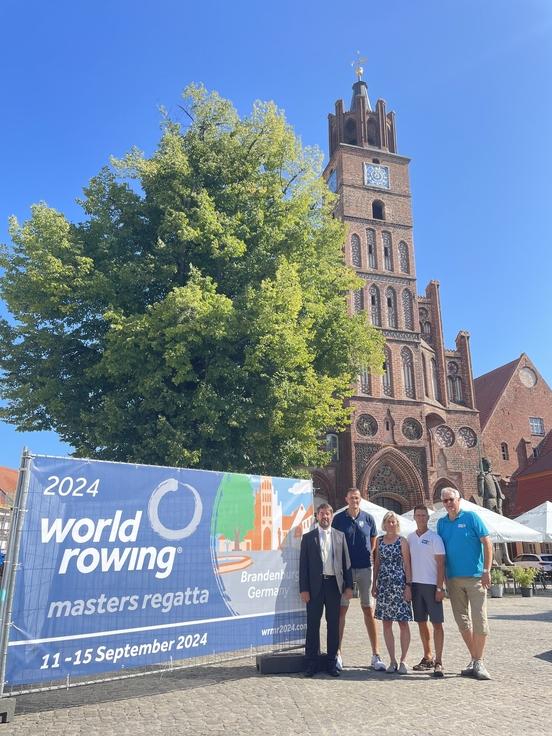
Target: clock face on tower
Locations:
point(376, 175)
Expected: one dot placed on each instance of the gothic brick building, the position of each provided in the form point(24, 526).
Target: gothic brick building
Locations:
point(415, 429)
point(515, 405)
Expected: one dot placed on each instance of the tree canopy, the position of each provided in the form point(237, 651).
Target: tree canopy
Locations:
point(197, 314)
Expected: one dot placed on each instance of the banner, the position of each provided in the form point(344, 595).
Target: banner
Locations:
point(129, 565)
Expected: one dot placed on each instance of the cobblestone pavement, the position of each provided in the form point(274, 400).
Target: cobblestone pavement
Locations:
point(233, 698)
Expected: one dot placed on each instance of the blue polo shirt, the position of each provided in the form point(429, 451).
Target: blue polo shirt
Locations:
point(462, 540)
point(358, 533)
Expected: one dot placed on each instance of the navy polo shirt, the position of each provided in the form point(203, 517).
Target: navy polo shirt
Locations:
point(358, 533)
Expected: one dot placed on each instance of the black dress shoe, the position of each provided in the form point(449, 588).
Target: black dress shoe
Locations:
point(310, 672)
point(333, 671)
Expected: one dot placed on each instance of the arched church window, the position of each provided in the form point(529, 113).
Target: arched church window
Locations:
point(391, 299)
point(375, 308)
point(371, 240)
point(372, 133)
point(408, 311)
point(332, 445)
point(350, 132)
point(365, 381)
point(355, 250)
point(408, 372)
point(387, 378)
point(387, 251)
point(424, 370)
point(403, 257)
point(435, 380)
point(378, 210)
point(426, 330)
point(358, 300)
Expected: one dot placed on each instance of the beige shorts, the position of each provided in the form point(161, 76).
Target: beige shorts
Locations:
point(468, 596)
point(362, 576)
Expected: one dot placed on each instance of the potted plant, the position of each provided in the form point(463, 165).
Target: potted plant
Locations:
point(524, 577)
point(498, 578)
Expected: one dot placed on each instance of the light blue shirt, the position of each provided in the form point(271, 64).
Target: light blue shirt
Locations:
point(462, 540)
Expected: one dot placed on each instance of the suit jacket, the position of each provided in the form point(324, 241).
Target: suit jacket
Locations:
point(310, 562)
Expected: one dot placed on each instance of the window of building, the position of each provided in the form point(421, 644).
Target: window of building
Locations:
point(355, 250)
point(455, 389)
point(391, 299)
point(426, 330)
point(365, 381)
point(536, 452)
point(504, 451)
point(537, 426)
point(375, 308)
point(350, 132)
point(358, 300)
point(529, 547)
point(387, 251)
point(371, 239)
point(378, 210)
point(408, 310)
point(435, 380)
point(424, 370)
point(387, 378)
point(403, 257)
point(332, 445)
point(408, 372)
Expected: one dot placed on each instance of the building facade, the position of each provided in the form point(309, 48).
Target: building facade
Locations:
point(515, 405)
point(415, 428)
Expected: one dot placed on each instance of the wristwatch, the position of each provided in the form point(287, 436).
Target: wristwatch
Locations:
point(486, 570)
point(440, 590)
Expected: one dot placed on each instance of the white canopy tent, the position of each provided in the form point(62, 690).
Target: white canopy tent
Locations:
point(410, 514)
point(539, 519)
point(378, 512)
point(501, 529)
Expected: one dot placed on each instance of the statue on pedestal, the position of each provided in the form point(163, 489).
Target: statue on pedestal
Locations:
point(489, 488)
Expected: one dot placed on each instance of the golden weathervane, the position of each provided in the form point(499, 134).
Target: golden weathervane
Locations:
point(357, 65)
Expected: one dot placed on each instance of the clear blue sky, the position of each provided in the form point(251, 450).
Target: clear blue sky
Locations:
point(469, 81)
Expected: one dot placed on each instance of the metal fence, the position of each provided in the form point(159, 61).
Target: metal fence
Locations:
point(30, 566)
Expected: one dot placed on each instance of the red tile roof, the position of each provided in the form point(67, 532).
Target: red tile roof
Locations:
point(489, 388)
point(8, 483)
point(544, 461)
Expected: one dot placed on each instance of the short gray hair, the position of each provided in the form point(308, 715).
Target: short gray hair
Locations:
point(454, 491)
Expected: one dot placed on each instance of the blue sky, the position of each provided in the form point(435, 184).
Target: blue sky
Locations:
point(469, 82)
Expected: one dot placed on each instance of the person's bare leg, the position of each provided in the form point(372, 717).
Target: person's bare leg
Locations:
point(370, 623)
point(389, 640)
point(467, 636)
point(405, 638)
point(439, 640)
point(426, 639)
point(342, 615)
point(478, 645)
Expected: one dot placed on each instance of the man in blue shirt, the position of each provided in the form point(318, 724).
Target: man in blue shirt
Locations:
point(469, 554)
point(360, 532)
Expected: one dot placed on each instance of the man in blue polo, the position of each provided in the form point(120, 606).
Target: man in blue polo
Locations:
point(360, 532)
point(469, 555)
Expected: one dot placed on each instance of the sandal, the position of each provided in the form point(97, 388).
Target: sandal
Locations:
point(438, 670)
point(424, 665)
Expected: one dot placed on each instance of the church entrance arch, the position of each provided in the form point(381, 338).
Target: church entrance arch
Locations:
point(438, 487)
point(392, 481)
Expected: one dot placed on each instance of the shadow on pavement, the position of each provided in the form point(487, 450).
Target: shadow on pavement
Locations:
point(129, 688)
point(545, 616)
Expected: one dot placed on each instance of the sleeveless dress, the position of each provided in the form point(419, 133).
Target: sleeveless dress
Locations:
point(390, 603)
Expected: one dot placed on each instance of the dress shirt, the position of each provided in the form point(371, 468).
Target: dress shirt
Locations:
point(326, 550)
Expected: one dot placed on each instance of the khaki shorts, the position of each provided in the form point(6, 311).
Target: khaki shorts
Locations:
point(467, 595)
point(362, 576)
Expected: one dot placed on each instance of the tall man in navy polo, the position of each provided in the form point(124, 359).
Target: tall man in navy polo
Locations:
point(469, 554)
point(360, 532)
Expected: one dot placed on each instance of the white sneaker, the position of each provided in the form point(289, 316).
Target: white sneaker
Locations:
point(403, 669)
point(480, 671)
point(377, 663)
point(339, 662)
point(392, 668)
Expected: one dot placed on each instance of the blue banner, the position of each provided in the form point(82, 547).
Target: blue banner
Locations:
point(129, 565)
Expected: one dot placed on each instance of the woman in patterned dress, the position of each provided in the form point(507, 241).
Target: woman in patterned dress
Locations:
point(392, 581)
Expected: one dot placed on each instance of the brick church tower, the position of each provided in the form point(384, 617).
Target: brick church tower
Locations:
point(415, 429)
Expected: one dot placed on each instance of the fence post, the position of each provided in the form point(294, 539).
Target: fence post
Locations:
point(12, 556)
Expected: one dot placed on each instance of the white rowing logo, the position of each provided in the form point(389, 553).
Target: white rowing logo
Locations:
point(170, 486)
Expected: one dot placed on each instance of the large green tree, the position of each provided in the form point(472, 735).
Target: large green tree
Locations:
point(196, 316)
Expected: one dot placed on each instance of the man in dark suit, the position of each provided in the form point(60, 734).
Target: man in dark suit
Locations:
point(324, 574)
